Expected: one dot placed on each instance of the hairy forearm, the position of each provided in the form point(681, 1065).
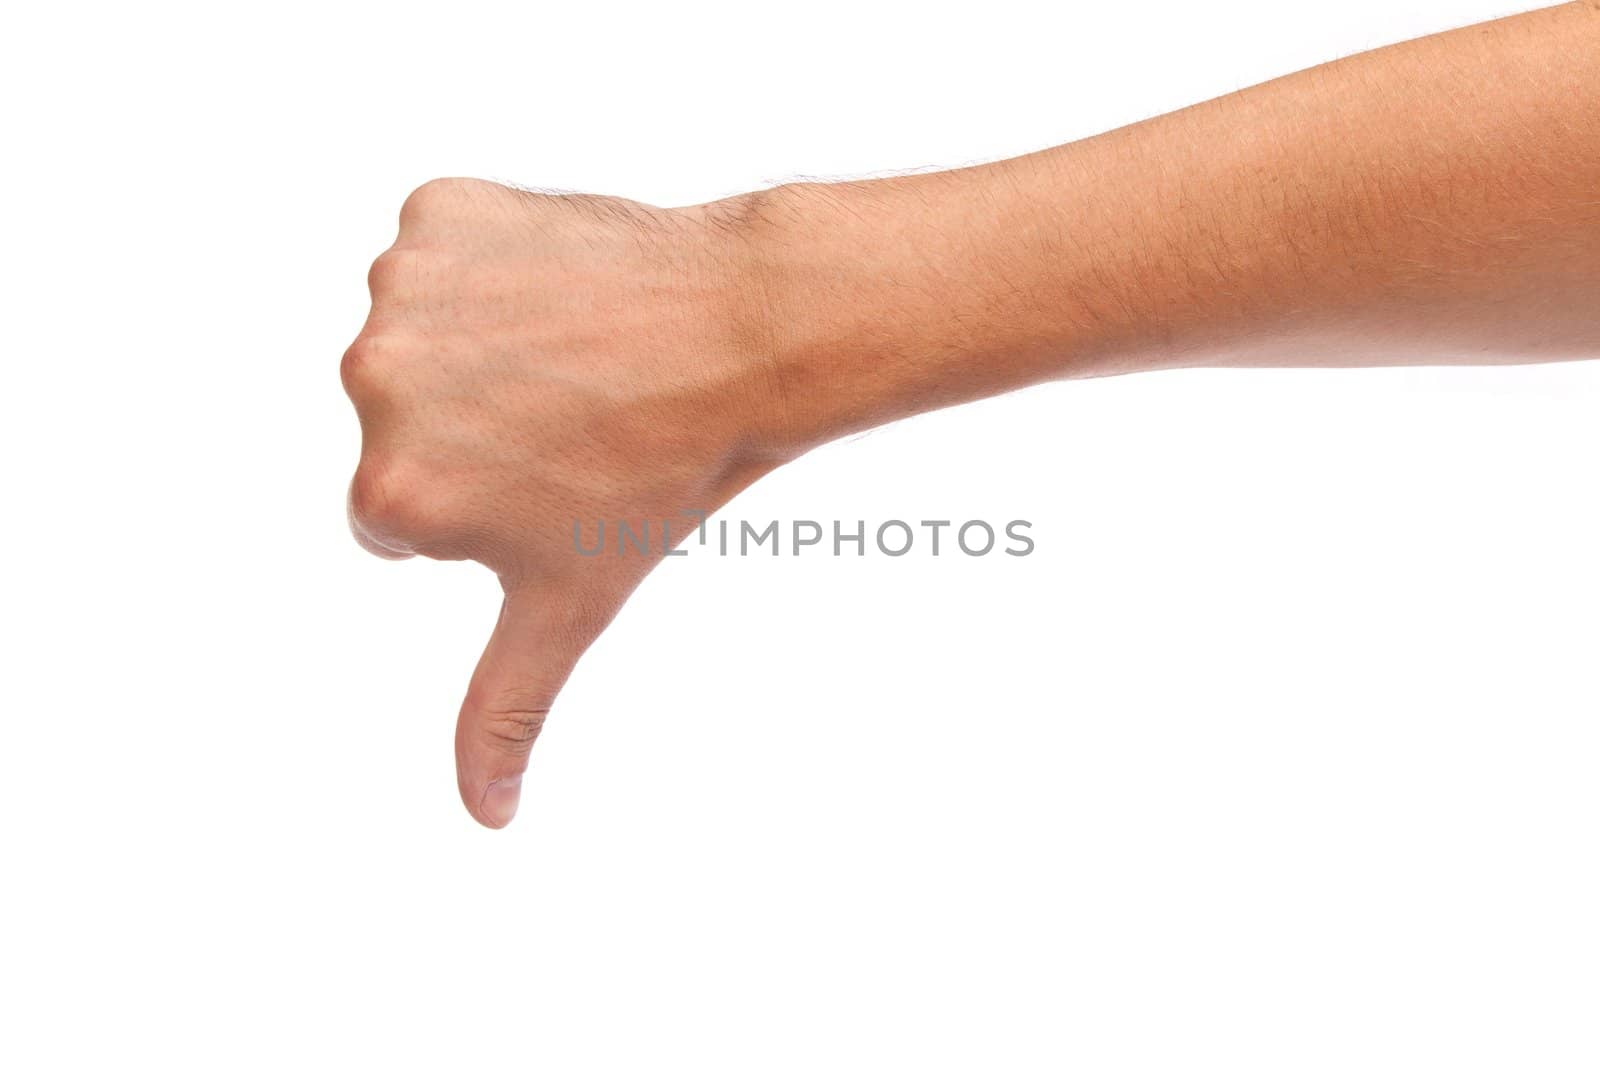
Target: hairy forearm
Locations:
point(1434, 201)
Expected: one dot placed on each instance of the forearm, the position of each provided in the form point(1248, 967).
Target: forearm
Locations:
point(1434, 201)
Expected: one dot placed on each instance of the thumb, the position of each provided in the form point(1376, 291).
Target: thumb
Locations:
point(529, 655)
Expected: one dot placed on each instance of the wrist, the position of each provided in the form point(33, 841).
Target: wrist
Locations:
point(869, 301)
point(813, 309)
point(770, 241)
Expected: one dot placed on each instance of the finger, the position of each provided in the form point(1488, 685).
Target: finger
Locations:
point(529, 655)
point(377, 548)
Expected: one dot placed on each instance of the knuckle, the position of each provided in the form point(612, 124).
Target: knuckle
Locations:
point(361, 363)
point(394, 501)
point(512, 731)
point(384, 275)
point(405, 276)
point(432, 198)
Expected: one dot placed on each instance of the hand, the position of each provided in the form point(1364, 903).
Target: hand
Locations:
point(532, 362)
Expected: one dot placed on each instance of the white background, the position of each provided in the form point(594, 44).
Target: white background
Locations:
point(1280, 749)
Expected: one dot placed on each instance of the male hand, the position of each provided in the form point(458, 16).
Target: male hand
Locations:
point(531, 362)
point(535, 361)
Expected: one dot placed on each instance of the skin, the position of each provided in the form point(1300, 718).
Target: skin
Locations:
point(534, 360)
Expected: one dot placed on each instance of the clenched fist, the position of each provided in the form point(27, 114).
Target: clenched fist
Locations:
point(531, 362)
